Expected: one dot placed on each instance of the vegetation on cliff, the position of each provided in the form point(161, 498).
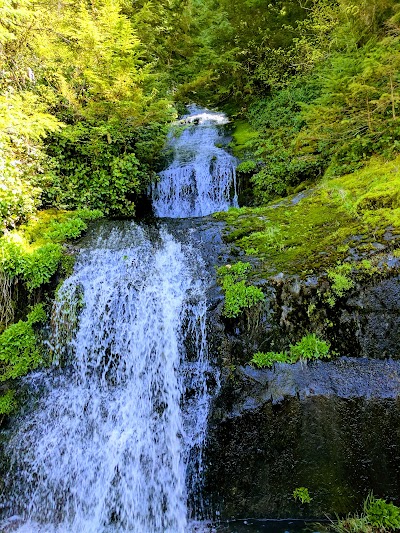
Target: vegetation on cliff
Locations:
point(87, 94)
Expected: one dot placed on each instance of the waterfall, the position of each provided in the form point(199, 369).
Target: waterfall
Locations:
point(202, 177)
point(108, 447)
point(111, 440)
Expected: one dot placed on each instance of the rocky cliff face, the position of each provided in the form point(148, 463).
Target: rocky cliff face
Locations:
point(332, 427)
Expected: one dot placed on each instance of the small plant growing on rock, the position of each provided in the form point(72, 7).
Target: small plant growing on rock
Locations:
point(268, 359)
point(340, 282)
point(308, 348)
point(239, 294)
point(301, 494)
point(377, 516)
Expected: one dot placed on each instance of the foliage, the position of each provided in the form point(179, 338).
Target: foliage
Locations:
point(340, 281)
point(82, 112)
point(308, 348)
point(103, 166)
point(239, 49)
point(302, 494)
point(7, 403)
point(23, 125)
point(318, 83)
point(239, 295)
point(377, 516)
point(20, 351)
point(279, 120)
point(382, 515)
point(268, 359)
point(38, 267)
point(246, 167)
point(34, 251)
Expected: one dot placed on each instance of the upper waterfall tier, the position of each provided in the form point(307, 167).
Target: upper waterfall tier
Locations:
point(202, 177)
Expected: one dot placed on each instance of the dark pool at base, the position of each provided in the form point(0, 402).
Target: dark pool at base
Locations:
point(269, 526)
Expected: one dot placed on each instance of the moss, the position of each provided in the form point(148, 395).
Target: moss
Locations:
point(304, 236)
point(242, 134)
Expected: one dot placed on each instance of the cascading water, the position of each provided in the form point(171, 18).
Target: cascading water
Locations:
point(107, 449)
point(112, 442)
point(202, 177)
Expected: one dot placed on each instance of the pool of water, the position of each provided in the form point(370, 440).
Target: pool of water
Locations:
point(269, 526)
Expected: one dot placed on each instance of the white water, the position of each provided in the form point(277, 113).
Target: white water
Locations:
point(107, 449)
point(113, 441)
point(202, 178)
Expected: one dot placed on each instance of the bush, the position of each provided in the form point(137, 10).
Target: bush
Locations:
point(104, 166)
point(19, 350)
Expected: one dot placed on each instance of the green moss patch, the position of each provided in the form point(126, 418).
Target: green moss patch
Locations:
point(242, 135)
point(303, 236)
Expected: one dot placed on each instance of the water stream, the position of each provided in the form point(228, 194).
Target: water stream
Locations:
point(202, 177)
point(113, 441)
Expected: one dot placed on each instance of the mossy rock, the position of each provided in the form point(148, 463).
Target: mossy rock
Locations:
point(312, 232)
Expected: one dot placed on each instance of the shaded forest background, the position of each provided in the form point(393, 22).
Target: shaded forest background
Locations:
point(88, 90)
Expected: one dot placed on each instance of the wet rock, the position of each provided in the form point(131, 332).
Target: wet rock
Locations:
point(331, 427)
